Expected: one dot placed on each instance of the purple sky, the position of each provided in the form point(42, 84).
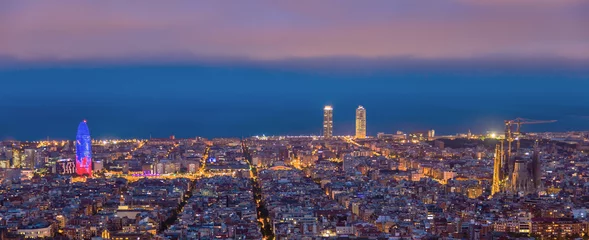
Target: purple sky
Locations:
point(268, 30)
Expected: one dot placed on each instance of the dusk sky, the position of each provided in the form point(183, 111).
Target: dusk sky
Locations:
point(269, 30)
point(294, 119)
point(239, 68)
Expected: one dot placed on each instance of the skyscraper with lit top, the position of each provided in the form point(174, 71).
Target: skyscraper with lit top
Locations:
point(327, 122)
point(83, 150)
point(360, 122)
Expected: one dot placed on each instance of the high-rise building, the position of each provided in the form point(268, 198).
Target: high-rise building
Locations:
point(360, 122)
point(83, 150)
point(327, 121)
point(431, 134)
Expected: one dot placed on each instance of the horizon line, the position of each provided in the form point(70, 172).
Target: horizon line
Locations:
point(377, 62)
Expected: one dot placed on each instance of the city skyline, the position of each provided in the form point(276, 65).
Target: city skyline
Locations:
point(140, 75)
point(276, 120)
point(358, 129)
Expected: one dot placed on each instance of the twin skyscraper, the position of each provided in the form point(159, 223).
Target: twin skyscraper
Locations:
point(328, 122)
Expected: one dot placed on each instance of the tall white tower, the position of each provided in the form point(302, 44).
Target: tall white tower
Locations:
point(327, 121)
point(360, 122)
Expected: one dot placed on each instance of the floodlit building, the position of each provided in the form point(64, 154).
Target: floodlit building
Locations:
point(83, 150)
point(327, 121)
point(360, 122)
point(431, 134)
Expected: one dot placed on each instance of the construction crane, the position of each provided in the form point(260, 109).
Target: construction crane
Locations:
point(511, 135)
point(504, 162)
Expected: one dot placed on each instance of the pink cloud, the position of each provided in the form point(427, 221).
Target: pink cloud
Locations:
point(69, 30)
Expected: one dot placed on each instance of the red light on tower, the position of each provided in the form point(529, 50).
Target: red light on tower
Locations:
point(83, 150)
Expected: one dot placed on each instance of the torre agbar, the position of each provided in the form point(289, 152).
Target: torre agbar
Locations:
point(83, 150)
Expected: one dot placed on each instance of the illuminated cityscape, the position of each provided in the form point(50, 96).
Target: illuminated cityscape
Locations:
point(214, 120)
point(399, 185)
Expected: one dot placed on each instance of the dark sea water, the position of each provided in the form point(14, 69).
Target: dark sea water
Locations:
point(220, 101)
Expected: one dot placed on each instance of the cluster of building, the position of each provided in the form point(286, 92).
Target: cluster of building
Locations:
point(299, 209)
point(123, 189)
point(111, 208)
point(392, 186)
point(408, 187)
point(221, 207)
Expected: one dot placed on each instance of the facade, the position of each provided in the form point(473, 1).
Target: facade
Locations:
point(36, 231)
point(65, 166)
point(360, 122)
point(496, 187)
point(327, 121)
point(521, 181)
point(98, 166)
point(83, 150)
point(561, 228)
point(17, 158)
point(29, 158)
point(536, 173)
point(523, 178)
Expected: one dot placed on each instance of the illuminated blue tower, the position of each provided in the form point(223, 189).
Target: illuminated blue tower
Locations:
point(83, 150)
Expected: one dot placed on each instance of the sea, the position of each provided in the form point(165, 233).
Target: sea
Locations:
point(208, 100)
